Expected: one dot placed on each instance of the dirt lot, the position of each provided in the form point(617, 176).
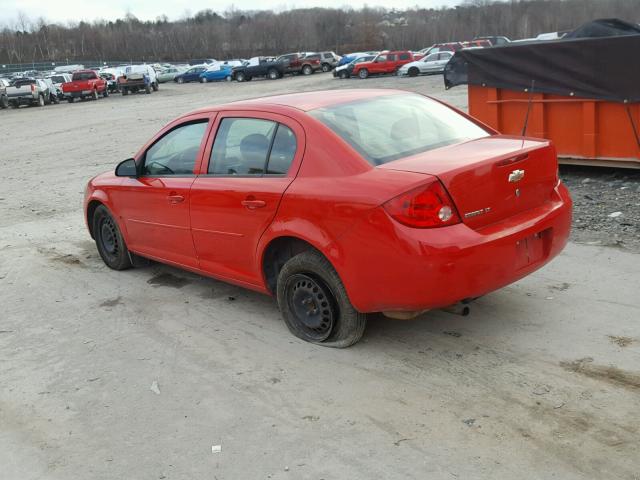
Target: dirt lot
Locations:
point(136, 375)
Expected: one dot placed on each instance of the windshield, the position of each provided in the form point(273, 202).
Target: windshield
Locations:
point(387, 128)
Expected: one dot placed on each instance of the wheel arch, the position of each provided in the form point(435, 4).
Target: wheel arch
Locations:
point(278, 250)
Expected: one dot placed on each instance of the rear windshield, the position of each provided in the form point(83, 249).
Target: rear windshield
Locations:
point(58, 79)
point(84, 76)
point(390, 127)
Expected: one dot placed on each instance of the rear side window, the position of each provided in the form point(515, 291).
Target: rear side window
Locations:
point(392, 57)
point(404, 56)
point(386, 128)
point(248, 146)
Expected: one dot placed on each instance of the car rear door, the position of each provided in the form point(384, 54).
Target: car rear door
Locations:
point(234, 199)
point(155, 204)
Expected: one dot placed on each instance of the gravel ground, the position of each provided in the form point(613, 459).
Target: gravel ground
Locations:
point(143, 374)
point(606, 205)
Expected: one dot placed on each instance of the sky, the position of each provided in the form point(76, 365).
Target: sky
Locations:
point(75, 10)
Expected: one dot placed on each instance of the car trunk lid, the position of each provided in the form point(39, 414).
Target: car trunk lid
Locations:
point(490, 178)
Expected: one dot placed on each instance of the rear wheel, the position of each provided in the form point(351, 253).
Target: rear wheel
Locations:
point(343, 74)
point(307, 70)
point(240, 77)
point(180, 80)
point(41, 101)
point(364, 73)
point(228, 78)
point(272, 74)
point(4, 102)
point(413, 72)
point(109, 241)
point(314, 302)
point(203, 79)
point(55, 99)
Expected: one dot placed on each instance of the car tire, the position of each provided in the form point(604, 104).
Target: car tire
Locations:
point(240, 77)
point(343, 75)
point(155, 87)
point(55, 100)
point(314, 302)
point(272, 74)
point(4, 102)
point(71, 99)
point(413, 72)
point(364, 73)
point(41, 101)
point(326, 67)
point(147, 89)
point(105, 94)
point(228, 78)
point(307, 70)
point(125, 91)
point(180, 80)
point(109, 241)
point(203, 79)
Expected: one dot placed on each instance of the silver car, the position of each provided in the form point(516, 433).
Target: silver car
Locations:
point(432, 63)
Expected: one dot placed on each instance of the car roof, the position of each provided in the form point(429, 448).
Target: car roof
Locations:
point(307, 101)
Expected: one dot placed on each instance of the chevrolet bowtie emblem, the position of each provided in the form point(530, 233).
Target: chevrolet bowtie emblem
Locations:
point(516, 176)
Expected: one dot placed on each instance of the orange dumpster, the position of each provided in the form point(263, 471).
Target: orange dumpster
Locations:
point(584, 131)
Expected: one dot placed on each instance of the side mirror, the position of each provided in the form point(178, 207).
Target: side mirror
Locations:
point(127, 168)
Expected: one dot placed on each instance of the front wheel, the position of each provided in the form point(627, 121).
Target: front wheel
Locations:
point(326, 67)
point(307, 70)
point(109, 241)
point(105, 94)
point(314, 302)
point(343, 74)
point(364, 73)
point(203, 80)
point(155, 86)
point(180, 80)
point(147, 89)
point(240, 77)
point(413, 72)
point(272, 74)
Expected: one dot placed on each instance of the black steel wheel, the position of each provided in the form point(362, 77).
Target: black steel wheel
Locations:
point(309, 300)
point(314, 302)
point(109, 241)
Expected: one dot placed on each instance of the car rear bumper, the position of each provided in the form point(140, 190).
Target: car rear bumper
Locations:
point(386, 266)
point(78, 94)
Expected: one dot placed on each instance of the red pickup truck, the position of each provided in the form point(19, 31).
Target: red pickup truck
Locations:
point(85, 84)
point(385, 62)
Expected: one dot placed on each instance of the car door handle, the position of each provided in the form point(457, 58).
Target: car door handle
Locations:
point(174, 198)
point(253, 204)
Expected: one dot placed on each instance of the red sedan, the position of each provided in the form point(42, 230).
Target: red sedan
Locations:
point(339, 203)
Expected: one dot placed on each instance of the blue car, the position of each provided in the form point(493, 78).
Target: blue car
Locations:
point(191, 75)
point(216, 74)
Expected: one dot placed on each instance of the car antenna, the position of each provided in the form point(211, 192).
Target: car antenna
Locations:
point(526, 118)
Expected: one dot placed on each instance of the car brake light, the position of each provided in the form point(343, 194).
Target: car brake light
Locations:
point(33, 87)
point(424, 207)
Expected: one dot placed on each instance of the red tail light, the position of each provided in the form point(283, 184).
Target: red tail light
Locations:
point(33, 87)
point(424, 207)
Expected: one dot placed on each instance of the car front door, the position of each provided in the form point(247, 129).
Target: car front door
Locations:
point(430, 63)
point(155, 204)
point(254, 158)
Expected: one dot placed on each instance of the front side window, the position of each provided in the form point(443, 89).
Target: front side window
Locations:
point(176, 152)
point(390, 127)
point(431, 58)
point(392, 57)
point(246, 146)
point(381, 58)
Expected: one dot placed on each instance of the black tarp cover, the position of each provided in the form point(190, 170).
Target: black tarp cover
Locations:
point(604, 68)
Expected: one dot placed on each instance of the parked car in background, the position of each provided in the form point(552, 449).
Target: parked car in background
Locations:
point(59, 78)
point(296, 63)
point(283, 195)
point(169, 74)
point(433, 63)
point(191, 75)
point(384, 63)
point(496, 41)
point(216, 73)
point(328, 60)
point(55, 93)
point(259, 67)
point(28, 91)
point(233, 62)
point(138, 78)
point(344, 71)
point(85, 84)
point(4, 100)
point(451, 47)
point(68, 68)
point(112, 81)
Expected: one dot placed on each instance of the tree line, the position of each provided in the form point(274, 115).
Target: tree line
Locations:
point(242, 34)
